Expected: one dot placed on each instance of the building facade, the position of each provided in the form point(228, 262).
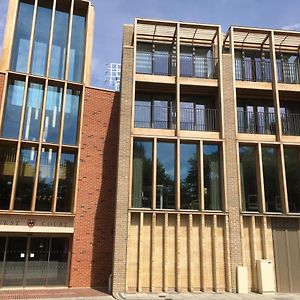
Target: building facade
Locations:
point(58, 139)
point(208, 164)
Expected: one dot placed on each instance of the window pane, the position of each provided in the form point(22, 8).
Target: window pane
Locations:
point(66, 182)
point(212, 184)
point(59, 44)
point(271, 179)
point(13, 109)
point(292, 169)
point(248, 178)
point(22, 37)
point(71, 117)
point(142, 114)
point(189, 176)
point(44, 195)
point(77, 48)
point(142, 174)
point(41, 39)
point(25, 180)
point(7, 167)
point(165, 176)
point(53, 114)
point(31, 127)
point(144, 58)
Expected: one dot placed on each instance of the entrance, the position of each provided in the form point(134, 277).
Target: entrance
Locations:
point(286, 238)
point(33, 261)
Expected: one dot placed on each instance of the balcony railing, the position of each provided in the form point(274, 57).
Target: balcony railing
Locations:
point(256, 122)
point(154, 116)
point(199, 119)
point(158, 63)
point(288, 72)
point(200, 67)
point(290, 123)
point(253, 70)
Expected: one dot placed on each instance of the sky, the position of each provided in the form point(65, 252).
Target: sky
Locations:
point(112, 14)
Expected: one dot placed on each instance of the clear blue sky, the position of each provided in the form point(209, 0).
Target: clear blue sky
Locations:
point(112, 14)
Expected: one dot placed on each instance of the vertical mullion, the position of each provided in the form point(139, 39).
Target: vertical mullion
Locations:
point(14, 185)
point(51, 38)
point(154, 171)
point(178, 79)
point(89, 23)
point(36, 179)
point(32, 36)
point(74, 202)
point(177, 175)
point(48, 260)
point(201, 176)
point(61, 129)
point(69, 41)
point(26, 260)
point(261, 185)
point(282, 180)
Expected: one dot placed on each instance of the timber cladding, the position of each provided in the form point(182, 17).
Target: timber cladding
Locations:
point(2, 82)
point(91, 263)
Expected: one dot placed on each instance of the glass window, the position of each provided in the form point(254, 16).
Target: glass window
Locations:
point(186, 61)
point(271, 179)
point(59, 43)
point(212, 182)
point(53, 114)
point(21, 45)
point(7, 167)
point(162, 60)
point(13, 109)
point(187, 116)
point(66, 182)
point(142, 174)
point(142, 114)
point(44, 195)
point(41, 38)
point(165, 176)
point(71, 117)
point(77, 48)
point(189, 176)
point(248, 178)
point(292, 169)
point(25, 179)
point(32, 119)
point(144, 58)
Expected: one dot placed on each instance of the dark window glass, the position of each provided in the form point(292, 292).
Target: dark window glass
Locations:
point(44, 196)
point(189, 177)
point(165, 176)
point(77, 48)
point(41, 38)
point(142, 114)
point(248, 178)
point(7, 167)
point(162, 60)
point(58, 262)
point(212, 184)
point(2, 251)
point(142, 174)
point(32, 120)
point(71, 117)
point(53, 114)
point(59, 43)
point(292, 169)
point(25, 180)
point(271, 179)
point(13, 109)
point(66, 182)
point(21, 45)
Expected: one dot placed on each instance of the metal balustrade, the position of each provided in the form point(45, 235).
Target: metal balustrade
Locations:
point(290, 123)
point(259, 70)
point(199, 119)
point(288, 72)
point(256, 122)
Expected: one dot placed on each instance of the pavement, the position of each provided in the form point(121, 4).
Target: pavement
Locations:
point(92, 294)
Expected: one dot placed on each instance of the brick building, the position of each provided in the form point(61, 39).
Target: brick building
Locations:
point(188, 180)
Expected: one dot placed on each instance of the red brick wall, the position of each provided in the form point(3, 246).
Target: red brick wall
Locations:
point(91, 262)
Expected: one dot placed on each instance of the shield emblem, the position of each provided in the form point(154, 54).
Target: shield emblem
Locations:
point(31, 222)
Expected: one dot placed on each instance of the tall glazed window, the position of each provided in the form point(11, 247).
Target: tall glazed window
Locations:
point(33, 110)
point(76, 55)
point(7, 167)
point(59, 43)
point(53, 114)
point(41, 38)
point(142, 174)
point(71, 117)
point(19, 59)
point(25, 179)
point(13, 109)
point(66, 182)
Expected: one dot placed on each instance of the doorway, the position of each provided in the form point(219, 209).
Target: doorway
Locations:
point(286, 239)
point(34, 261)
